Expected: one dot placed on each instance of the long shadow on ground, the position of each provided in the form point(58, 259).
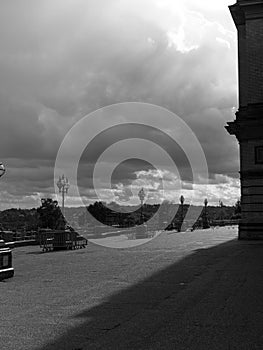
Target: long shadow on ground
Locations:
point(212, 299)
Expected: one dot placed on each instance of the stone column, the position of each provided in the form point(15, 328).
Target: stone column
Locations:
point(248, 125)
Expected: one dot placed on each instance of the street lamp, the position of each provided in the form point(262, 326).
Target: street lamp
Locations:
point(205, 220)
point(141, 195)
point(182, 213)
point(2, 169)
point(182, 200)
point(63, 186)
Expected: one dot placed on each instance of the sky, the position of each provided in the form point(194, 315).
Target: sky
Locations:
point(63, 59)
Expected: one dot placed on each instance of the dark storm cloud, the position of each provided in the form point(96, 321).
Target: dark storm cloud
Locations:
point(60, 60)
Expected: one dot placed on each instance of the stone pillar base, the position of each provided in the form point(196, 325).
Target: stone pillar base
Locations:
point(249, 230)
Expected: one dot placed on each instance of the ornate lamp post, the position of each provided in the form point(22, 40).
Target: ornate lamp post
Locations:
point(182, 213)
point(141, 195)
point(63, 186)
point(205, 219)
point(2, 169)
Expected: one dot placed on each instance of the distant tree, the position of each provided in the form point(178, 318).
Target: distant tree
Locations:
point(50, 215)
point(19, 219)
point(237, 210)
point(98, 211)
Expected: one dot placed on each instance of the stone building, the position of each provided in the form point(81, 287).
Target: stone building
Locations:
point(248, 125)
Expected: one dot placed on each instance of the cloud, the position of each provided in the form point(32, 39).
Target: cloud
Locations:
point(166, 186)
point(60, 60)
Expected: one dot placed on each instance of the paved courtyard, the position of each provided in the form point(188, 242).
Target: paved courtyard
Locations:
point(194, 290)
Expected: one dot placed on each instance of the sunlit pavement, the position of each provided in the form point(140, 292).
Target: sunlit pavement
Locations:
point(193, 290)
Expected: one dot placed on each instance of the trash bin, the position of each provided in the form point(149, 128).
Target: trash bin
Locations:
point(6, 269)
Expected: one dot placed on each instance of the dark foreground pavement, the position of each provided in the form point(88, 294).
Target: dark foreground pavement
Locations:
point(200, 290)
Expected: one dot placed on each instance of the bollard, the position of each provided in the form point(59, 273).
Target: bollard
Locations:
point(6, 269)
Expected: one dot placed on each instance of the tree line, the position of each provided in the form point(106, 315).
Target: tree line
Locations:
point(49, 215)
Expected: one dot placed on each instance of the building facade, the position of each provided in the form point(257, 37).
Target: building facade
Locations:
point(248, 125)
